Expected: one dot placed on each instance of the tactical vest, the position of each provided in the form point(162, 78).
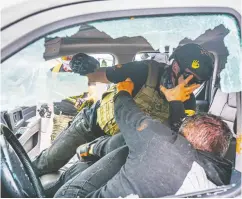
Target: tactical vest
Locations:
point(147, 99)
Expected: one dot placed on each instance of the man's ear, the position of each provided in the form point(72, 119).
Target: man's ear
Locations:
point(175, 67)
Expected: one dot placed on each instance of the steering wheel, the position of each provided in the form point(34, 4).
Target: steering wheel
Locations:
point(14, 177)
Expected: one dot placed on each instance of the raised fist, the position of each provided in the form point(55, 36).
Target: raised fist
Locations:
point(83, 64)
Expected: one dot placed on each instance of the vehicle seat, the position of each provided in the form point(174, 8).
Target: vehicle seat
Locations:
point(224, 105)
point(47, 179)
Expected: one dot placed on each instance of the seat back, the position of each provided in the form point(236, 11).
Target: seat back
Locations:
point(224, 105)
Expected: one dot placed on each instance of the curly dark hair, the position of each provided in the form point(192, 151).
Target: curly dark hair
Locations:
point(207, 132)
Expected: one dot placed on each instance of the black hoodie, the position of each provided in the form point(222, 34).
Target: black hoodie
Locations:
point(217, 169)
point(161, 162)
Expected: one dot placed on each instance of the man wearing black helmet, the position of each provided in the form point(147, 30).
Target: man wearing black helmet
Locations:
point(147, 76)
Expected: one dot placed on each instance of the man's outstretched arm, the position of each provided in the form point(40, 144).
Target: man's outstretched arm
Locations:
point(117, 73)
point(135, 125)
point(137, 128)
point(98, 76)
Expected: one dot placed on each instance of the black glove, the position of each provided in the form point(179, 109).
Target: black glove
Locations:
point(83, 64)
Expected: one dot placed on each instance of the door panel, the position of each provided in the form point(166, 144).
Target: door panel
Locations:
point(30, 138)
point(29, 112)
point(26, 126)
point(14, 119)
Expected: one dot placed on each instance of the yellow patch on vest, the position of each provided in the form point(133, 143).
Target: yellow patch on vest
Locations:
point(189, 112)
point(195, 64)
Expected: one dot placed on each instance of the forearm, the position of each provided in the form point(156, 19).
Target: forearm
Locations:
point(127, 114)
point(177, 113)
point(98, 76)
point(136, 127)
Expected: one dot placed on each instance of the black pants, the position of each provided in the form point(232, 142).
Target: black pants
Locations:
point(83, 129)
point(91, 178)
point(70, 173)
point(103, 146)
point(141, 167)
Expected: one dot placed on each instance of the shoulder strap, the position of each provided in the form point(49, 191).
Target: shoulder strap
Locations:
point(153, 75)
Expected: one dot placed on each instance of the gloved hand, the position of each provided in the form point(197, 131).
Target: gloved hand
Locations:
point(126, 85)
point(181, 92)
point(83, 64)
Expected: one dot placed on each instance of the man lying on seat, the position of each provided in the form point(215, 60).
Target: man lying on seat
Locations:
point(160, 162)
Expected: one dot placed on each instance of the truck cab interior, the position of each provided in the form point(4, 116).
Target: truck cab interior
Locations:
point(124, 42)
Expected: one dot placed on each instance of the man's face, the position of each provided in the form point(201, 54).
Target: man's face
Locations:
point(181, 77)
point(195, 80)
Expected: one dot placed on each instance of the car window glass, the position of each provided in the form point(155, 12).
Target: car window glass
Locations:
point(25, 75)
point(105, 60)
point(173, 31)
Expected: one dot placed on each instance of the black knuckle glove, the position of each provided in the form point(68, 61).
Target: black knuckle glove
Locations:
point(83, 64)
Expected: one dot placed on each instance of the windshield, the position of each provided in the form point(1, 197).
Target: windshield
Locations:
point(26, 78)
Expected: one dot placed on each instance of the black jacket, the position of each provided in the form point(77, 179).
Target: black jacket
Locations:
point(160, 160)
point(218, 169)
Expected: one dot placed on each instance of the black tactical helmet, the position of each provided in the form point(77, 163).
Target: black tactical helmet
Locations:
point(83, 64)
point(196, 58)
